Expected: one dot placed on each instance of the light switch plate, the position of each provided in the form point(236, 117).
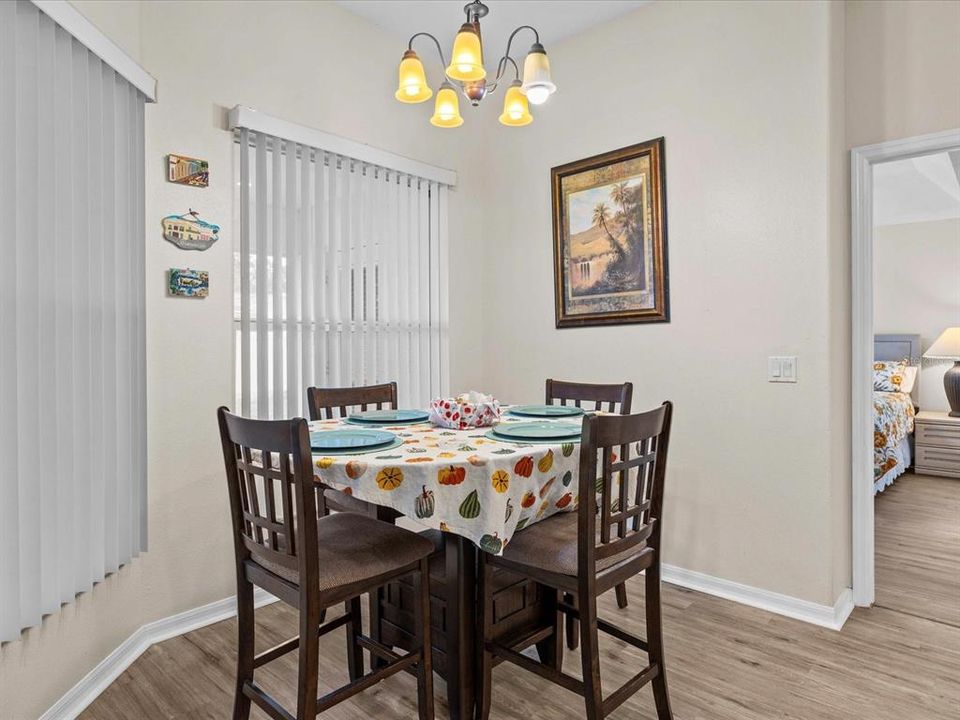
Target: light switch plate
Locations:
point(782, 368)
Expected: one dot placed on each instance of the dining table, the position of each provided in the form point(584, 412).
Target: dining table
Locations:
point(477, 489)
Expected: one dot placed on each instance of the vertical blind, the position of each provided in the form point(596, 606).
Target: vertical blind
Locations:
point(340, 277)
point(72, 390)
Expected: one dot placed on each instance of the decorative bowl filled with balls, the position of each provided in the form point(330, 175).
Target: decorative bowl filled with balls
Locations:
point(468, 410)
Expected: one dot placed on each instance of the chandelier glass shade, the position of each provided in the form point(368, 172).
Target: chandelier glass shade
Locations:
point(466, 61)
point(446, 111)
point(516, 110)
point(413, 86)
point(466, 75)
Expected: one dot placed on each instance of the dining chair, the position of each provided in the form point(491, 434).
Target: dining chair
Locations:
point(284, 544)
point(586, 552)
point(331, 403)
point(618, 398)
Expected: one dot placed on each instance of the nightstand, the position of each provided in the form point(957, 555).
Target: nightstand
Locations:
point(937, 441)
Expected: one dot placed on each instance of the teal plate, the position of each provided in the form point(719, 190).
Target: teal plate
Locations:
point(388, 417)
point(546, 411)
point(537, 430)
point(363, 451)
point(350, 439)
point(492, 435)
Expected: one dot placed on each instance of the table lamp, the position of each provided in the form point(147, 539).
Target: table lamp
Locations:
point(947, 347)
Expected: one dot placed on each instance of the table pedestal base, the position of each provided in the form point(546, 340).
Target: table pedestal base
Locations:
point(521, 608)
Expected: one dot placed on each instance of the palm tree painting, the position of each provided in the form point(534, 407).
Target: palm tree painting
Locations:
point(608, 252)
point(609, 242)
point(601, 214)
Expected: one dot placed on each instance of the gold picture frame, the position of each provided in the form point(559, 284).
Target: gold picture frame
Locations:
point(610, 238)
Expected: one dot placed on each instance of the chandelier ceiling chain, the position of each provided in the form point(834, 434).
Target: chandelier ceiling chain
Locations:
point(466, 73)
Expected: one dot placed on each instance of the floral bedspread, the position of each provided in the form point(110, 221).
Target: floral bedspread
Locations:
point(892, 421)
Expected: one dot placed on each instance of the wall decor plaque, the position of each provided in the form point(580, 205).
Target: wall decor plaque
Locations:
point(189, 232)
point(185, 282)
point(185, 170)
point(610, 238)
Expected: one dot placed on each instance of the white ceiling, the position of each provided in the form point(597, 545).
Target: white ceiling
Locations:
point(553, 19)
point(918, 189)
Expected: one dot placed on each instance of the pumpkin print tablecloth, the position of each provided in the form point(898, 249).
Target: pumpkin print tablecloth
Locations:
point(459, 480)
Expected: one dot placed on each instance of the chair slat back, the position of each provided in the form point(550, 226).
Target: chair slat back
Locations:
point(630, 513)
point(273, 499)
point(330, 403)
point(617, 397)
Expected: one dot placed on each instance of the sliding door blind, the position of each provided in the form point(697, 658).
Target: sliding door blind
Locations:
point(72, 398)
point(340, 277)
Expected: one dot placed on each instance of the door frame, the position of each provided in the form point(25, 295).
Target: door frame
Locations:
point(862, 161)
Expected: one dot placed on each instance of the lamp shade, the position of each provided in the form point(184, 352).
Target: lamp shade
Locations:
point(946, 347)
point(466, 62)
point(537, 85)
point(516, 111)
point(446, 111)
point(412, 87)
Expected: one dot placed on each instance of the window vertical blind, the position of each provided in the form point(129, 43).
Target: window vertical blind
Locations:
point(72, 344)
point(341, 277)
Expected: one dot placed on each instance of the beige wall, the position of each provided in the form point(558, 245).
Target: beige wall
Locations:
point(750, 166)
point(312, 63)
point(119, 20)
point(916, 271)
point(902, 69)
point(750, 97)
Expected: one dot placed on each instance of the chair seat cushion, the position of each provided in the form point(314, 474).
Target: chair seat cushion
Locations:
point(354, 547)
point(551, 545)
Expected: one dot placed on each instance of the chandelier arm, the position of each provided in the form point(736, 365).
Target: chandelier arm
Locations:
point(506, 53)
point(436, 42)
point(501, 66)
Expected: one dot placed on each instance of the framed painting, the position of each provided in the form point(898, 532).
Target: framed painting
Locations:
point(610, 238)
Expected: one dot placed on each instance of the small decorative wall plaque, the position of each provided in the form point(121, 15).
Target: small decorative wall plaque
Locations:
point(189, 232)
point(185, 282)
point(185, 170)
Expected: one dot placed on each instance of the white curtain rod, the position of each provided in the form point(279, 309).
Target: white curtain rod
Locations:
point(244, 117)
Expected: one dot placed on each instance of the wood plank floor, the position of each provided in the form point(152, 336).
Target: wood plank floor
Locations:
point(918, 547)
point(725, 661)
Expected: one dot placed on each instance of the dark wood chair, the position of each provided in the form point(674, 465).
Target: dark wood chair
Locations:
point(285, 544)
point(618, 398)
point(331, 403)
point(588, 552)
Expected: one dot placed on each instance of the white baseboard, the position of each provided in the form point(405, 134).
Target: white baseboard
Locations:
point(827, 616)
point(109, 669)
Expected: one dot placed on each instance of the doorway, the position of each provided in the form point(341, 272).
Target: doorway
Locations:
point(864, 161)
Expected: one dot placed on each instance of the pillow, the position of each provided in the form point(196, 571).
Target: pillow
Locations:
point(888, 376)
point(910, 373)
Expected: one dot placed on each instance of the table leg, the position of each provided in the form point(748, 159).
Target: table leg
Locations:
point(550, 650)
point(461, 563)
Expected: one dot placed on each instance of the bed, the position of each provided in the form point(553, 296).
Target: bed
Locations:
point(893, 411)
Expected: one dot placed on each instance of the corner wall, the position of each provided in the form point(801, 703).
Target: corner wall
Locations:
point(332, 70)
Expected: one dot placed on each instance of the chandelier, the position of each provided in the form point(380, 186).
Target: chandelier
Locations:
point(466, 75)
